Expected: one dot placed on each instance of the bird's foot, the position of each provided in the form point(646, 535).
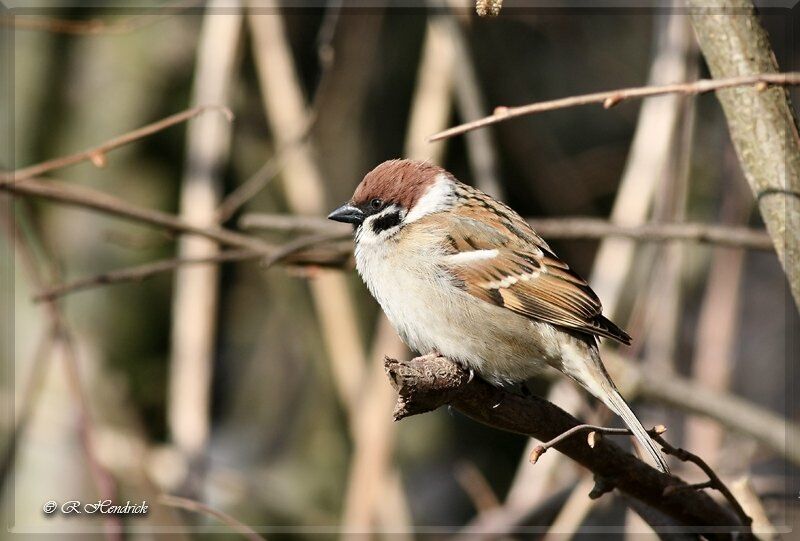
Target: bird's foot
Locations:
point(471, 375)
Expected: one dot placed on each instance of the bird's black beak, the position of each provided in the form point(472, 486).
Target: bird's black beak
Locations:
point(348, 214)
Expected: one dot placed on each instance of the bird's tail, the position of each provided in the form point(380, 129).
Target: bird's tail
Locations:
point(615, 401)
point(595, 379)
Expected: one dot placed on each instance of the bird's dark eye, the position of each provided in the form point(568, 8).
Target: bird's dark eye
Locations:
point(376, 203)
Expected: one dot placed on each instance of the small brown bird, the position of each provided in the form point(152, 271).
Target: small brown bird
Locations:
point(461, 274)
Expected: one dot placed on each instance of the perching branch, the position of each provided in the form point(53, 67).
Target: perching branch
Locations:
point(683, 455)
point(613, 97)
point(427, 383)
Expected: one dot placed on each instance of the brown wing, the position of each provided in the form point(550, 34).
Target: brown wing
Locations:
point(525, 278)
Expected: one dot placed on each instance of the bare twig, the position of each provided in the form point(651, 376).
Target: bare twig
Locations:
point(571, 228)
point(95, 27)
point(272, 167)
point(753, 506)
point(259, 180)
point(426, 383)
point(202, 508)
point(733, 412)
point(540, 449)
point(92, 199)
point(97, 155)
point(713, 479)
point(142, 272)
point(613, 97)
point(106, 484)
point(590, 228)
point(594, 434)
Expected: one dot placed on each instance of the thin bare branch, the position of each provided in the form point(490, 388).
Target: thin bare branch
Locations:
point(571, 228)
point(613, 97)
point(94, 27)
point(92, 199)
point(272, 167)
point(198, 507)
point(540, 449)
point(713, 479)
point(97, 155)
point(147, 270)
point(734, 413)
point(656, 433)
point(141, 272)
point(104, 481)
point(261, 178)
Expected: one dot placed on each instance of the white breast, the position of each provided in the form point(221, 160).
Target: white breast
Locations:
point(432, 314)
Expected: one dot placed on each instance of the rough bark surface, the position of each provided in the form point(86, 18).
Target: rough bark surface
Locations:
point(429, 382)
point(762, 123)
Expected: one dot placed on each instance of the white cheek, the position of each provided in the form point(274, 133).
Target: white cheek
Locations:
point(365, 235)
point(439, 196)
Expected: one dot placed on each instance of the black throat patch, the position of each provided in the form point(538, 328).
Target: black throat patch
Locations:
point(385, 222)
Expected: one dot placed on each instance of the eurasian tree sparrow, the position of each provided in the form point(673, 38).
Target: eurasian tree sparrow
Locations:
point(461, 274)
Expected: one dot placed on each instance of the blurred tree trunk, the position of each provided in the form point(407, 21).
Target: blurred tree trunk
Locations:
point(195, 298)
point(761, 121)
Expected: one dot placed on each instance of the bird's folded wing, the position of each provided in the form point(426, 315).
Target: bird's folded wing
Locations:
point(525, 278)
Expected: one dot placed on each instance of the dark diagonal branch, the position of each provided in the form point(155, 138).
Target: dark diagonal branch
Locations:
point(426, 383)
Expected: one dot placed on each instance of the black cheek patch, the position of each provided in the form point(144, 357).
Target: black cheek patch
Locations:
point(386, 222)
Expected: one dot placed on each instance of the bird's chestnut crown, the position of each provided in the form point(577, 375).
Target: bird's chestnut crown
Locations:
point(399, 183)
